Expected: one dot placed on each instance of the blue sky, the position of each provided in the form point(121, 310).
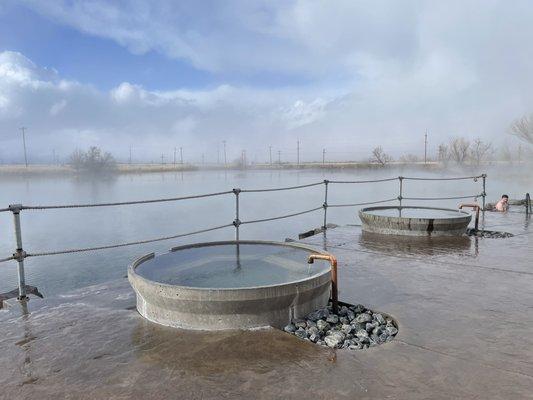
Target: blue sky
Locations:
point(346, 76)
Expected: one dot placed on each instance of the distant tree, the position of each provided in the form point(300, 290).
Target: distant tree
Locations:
point(480, 151)
point(443, 153)
point(93, 161)
point(380, 157)
point(523, 128)
point(459, 150)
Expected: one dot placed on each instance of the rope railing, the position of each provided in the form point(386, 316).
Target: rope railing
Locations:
point(474, 196)
point(19, 255)
point(282, 216)
point(125, 203)
point(368, 181)
point(364, 204)
point(282, 188)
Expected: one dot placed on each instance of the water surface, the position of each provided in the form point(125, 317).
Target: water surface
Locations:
point(231, 266)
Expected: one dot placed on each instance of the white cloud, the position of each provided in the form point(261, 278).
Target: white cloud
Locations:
point(58, 107)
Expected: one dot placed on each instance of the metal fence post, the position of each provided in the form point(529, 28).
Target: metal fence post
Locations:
point(400, 196)
point(325, 205)
point(19, 253)
point(236, 222)
point(484, 193)
point(528, 204)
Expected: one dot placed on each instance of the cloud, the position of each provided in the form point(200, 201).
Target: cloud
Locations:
point(377, 73)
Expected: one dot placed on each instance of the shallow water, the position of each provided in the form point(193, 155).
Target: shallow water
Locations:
point(84, 227)
point(416, 213)
point(231, 266)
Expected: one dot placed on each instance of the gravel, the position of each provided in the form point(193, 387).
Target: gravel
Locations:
point(354, 328)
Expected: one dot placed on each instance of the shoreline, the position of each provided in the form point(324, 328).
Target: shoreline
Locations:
point(67, 170)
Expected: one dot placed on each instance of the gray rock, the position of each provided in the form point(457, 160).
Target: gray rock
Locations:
point(290, 328)
point(335, 339)
point(384, 337)
point(301, 333)
point(378, 330)
point(350, 315)
point(332, 318)
point(322, 325)
point(344, 320)
point(379, 318)
point(311, 324)
point(362, 334)
point(391, 330)
point(349, 336)
point(312, 330)
point(300, 323)
point(363, 317)
point(314, 337)
point(355, 346)
point(369, 326)
point(346, 328)
point(343, 310)
point(318, 314)
point(359, 308)
point(357, 326)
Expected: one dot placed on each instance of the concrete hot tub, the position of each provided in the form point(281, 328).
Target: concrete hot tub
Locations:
point(414, 221)
point(230, 285)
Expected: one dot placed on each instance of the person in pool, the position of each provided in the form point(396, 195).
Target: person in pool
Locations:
point(503, 204)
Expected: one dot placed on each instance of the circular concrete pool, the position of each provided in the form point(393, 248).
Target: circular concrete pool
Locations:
point(414, 221)
point(230, 285)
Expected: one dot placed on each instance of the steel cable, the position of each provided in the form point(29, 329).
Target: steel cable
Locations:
point(367, 181)
point(362, 204)
point(126, 202)
point(475, 196)
point(282, 188)
point(282, 217)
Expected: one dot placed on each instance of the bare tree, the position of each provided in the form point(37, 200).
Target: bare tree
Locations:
point(93, 161)
point(459, 149)
point(380, 157)
point(523, 128)
point(444, 153)
point(480, 151)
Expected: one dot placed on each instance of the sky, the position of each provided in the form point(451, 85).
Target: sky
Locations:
point(345, 76)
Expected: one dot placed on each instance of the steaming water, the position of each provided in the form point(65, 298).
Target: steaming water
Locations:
point(73, 228)
point(231, 266)
point(416, 213)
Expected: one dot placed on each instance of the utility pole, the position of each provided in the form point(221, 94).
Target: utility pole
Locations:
point(270, 153)
point(519, 153)
point(181, 155)
point(130, 156)
point(162, 157)
point(53, 156)
point(174, 155)
point(426, 147)
point(218, 153)
point(225, 160)
point(323, 156)
point(279, 157)
point(203, 159)
point(23, 129)
point(298, 152)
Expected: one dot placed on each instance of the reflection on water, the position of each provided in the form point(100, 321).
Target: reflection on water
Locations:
point(413, 245)
point(231, 266)
point(228, 352)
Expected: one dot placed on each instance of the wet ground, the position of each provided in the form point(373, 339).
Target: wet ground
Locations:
point(464, 308)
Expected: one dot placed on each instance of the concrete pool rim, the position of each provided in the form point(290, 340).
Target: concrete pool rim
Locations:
point(414, 226)
point(250, 307)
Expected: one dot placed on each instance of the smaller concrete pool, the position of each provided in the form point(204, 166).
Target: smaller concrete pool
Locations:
point(414, 221)
point(230, 285)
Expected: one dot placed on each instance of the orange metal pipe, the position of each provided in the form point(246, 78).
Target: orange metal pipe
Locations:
point(334, 291)
point(476, 207)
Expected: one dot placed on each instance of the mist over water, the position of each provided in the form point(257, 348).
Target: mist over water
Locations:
point(73, 228)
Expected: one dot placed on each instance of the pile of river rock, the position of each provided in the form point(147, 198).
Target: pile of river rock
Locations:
point(489, 234)
point(354, 327)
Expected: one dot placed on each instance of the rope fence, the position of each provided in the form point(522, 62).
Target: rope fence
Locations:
point(19, 255)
